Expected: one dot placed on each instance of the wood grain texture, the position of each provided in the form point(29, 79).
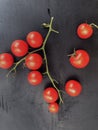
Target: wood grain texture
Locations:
point(22, 106)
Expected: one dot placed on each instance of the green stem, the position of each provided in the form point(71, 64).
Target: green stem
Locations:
point(73, 54)
point(51, 79)
point(94, 25)
point(54, 31)
point(45, 57)
point(56, 81)
point(48, 34)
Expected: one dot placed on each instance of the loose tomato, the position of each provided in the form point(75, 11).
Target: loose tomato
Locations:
point(73, 88)
point(6, 60)
point(34, 39)
point(34, 78)
point(53, 107)
point(50, 95)
point(33, 61)
point(79, 59)
point(84, 31)
point(19, 48)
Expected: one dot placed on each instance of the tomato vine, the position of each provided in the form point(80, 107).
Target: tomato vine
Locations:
point(47, 72)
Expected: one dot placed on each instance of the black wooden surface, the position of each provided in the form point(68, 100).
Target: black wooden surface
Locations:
point(21, 105)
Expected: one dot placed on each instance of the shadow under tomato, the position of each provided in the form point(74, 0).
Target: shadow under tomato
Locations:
point(73, 77)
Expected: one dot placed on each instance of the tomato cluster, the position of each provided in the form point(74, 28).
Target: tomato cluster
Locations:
point(33, 61)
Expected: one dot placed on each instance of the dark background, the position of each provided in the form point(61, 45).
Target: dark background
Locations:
point(22, 106)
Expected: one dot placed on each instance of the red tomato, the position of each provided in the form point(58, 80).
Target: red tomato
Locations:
point(6, 60)
point(34, 39)
point(35, 78)
point(73, 88)
point(33, 61)
point(80, 59)
point(84, 31)
point(53, 107)
point(50, 95)
point(19, 48)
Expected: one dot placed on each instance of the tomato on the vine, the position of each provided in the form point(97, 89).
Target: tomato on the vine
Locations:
point(53, 107)
point(84, 31)
point(33, 61)
point(50, 95)
point(19, 48)
point(35, 78)
point(34, 39)
point(79, 59)
point(73, 88)
point(6, 60)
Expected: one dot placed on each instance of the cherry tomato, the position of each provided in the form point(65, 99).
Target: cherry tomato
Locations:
point(80, 59)
point(53, 107)
point(73, 88)
point(84, 31)
point(50, 95)
point(6, 60)
point(34, 39)
point(33, 61)
point(19, 48)
point(35, 78)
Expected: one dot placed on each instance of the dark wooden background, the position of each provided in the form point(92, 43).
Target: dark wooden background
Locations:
point(21, 105)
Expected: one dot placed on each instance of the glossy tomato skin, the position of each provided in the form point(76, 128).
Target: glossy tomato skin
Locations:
point(33, 61)
point(34, 39)
point(35, 78)
point(50, 95)
point(6, 60)
point(84, 31)
point(80, 60)
point(19, 48)
point(73, 88)
point(53, 107)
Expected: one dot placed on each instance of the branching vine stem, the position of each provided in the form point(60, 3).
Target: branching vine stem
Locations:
point(50, 29)
point(73, 54)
